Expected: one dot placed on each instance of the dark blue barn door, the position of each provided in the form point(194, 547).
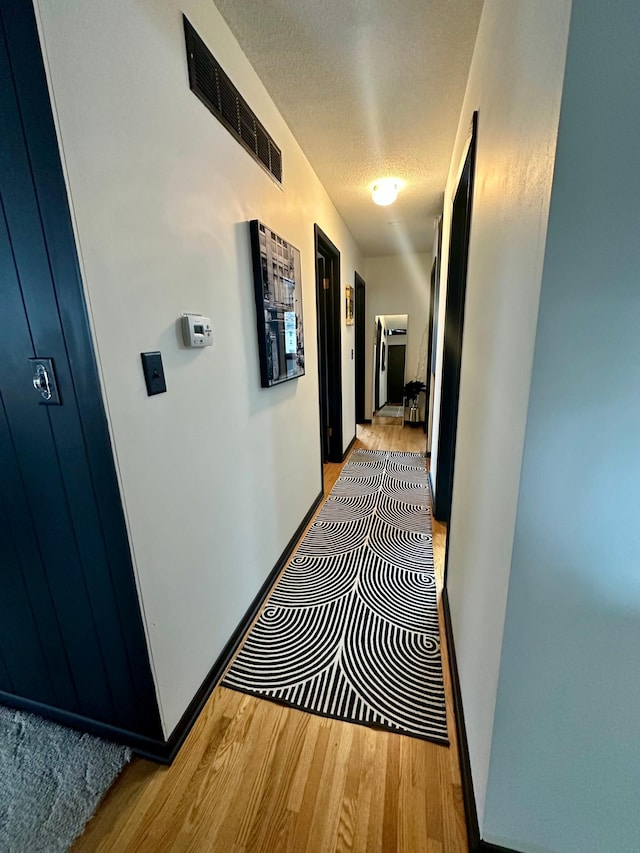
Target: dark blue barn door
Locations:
point(71, 634)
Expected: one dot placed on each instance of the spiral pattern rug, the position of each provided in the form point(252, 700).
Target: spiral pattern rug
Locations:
point(351, 629)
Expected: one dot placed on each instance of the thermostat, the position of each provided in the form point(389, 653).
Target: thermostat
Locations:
point(196, 330)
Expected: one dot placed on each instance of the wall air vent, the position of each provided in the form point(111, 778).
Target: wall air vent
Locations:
point(216, 91)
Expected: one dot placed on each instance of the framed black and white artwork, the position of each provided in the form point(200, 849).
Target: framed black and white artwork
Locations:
point(278, 293)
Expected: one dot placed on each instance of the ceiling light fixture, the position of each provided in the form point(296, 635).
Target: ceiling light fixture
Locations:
point(385, 191)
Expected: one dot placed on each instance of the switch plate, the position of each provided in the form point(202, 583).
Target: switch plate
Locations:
point(153, 372)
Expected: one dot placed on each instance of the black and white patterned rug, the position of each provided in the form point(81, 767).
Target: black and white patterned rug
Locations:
point(351, 629)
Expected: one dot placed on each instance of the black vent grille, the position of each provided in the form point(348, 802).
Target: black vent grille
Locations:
point(216, 91)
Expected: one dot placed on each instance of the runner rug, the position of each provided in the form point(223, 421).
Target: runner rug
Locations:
point(351, 630)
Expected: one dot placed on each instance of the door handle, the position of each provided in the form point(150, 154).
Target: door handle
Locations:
point(41, 382)
point(44, 381)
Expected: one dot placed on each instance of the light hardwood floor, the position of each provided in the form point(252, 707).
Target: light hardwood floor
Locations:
point(255, 776)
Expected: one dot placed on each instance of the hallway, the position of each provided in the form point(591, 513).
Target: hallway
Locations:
point(153, 485)
point(255, 776)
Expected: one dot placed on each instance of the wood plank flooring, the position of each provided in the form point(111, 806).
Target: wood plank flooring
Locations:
point(254, 776)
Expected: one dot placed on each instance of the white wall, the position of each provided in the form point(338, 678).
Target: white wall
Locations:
point(565, 760)
point(515, 83)
point(396, 284)
point(217, 473)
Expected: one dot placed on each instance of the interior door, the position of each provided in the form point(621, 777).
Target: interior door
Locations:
point(329, 346)
point(323, 355)
point(395, 376)
point(71, 636)
point(453, 332)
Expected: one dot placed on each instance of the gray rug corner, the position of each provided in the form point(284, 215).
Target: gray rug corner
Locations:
point(52, 779)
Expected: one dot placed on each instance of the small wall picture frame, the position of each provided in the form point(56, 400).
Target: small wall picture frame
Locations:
point(348, 305)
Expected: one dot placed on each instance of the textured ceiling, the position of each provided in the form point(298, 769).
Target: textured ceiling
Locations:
point(369, 88)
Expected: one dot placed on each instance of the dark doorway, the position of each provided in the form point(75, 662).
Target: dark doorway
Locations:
point(395, 376)
point(430, 377)
point(72, 644)
point(329, 354)
point(453, 329)
point(377, 366)
point(360, 347)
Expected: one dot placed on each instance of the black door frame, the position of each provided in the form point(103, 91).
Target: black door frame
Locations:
point(376, 367)
point(360, 326)
point(433, 338)
point(453, 330)
point(427, 381)
point(329, 345)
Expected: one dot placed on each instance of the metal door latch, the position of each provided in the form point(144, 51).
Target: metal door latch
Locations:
point(44, 381)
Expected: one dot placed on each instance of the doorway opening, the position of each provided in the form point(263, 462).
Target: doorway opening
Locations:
point(360, 346)
point(329, 352)
point(453, 329)
point(434, 292)
point(389, 361)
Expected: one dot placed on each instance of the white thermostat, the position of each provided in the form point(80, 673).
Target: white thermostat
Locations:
point(196, 330)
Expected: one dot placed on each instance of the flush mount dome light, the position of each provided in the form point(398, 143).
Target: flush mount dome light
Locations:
point(385, 191)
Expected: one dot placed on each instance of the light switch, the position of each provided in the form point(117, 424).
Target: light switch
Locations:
point(153, 372)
